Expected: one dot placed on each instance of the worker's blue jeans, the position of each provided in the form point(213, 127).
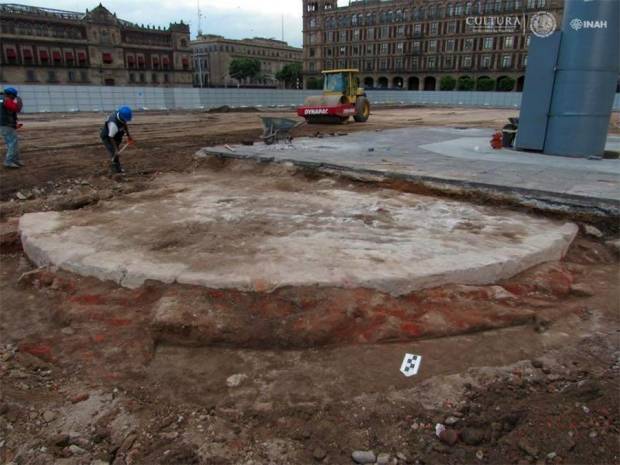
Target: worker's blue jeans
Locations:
point(10, 138)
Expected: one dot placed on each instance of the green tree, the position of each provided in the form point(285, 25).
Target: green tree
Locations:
point(244, 68)
point(465, 83)
point(314, 83)
point(447, 83)
point(291, 74)
point(506, 84)
point(485, 84)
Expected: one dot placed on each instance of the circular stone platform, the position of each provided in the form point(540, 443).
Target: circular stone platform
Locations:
point(249, 231)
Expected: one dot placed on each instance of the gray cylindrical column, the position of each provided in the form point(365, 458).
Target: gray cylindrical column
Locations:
point(586, 79)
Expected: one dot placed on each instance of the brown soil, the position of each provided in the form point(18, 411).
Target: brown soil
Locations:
point(83, 379)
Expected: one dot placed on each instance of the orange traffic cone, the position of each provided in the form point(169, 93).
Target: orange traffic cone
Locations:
point(496, 141)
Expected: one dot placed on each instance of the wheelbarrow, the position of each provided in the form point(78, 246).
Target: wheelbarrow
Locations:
point(277, 128)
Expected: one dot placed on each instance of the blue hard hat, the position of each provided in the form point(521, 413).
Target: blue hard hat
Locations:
point(125, 114)
point(11, 91)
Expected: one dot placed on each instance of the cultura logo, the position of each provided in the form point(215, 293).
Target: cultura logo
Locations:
point(577, 24)
point(543, 24)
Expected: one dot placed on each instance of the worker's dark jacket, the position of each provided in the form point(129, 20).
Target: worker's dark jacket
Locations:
point(122, 128)
point(8, 111)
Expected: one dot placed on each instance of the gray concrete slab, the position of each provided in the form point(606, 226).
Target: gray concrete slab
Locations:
point(261, 232)
point(457, 156)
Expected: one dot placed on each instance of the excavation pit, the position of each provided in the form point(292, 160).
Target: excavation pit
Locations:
point(256, 256)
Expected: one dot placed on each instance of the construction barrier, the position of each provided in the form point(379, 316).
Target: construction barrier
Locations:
point(44, 98)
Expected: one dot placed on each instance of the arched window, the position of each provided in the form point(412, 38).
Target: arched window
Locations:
point(432, 12)
point(468, 8)
point(450, 9)
point(390, 16)
point(458, 9)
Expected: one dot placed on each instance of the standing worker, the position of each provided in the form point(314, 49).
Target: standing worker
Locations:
point(10, 106)
point(112, 134)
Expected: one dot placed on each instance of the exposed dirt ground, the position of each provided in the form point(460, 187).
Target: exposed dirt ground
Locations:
point(83, 380)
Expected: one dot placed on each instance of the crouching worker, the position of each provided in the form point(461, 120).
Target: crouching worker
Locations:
point(10, 106)
point(112, 135)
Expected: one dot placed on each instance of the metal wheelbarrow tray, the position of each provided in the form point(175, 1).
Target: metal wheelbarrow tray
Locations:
point(278, 128)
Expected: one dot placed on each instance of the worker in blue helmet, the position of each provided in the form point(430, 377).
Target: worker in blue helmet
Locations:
point(10, 106)
point(112, 133)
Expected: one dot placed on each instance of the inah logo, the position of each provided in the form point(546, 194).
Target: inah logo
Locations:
point(543, 24)
point(578, 24)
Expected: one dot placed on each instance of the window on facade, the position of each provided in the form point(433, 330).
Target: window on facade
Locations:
point(132, 77)
point(398, 63)
point(450, 45)
point(343, 50)
point(369, 50)
point(43, 56)
point(506, 61)
point(400, 31)
point(383, 65)
point(488, 7)
point(417, 29)
point(524, 61)
point(384, 49)
point(448, 62)
point(71, 76)
point(356, 35)
point(434, 28)
point(311, 67)
point(488, 43)
point(432, 46)
point(31, 75)
point(165, 63)
point(51, 76)
point(417, 46)
point(27, 55)
point(166, 78)
point(468, 44)
point(107, 58)
point(415, 62)
point(486, 61)
point(84, 76)
point(154, 78)
point(498, 6)
point(142, 77)
point(466, 61)
point(431, 62)
point(451, 27)
point(509, 42)
point(81, 58)
point(56, 57)
point(343, 36)
point(458, 9)
point(400, 47)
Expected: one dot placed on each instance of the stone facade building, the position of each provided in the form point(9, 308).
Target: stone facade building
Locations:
point(44, 46)
point(213, 55)
point(404, 44)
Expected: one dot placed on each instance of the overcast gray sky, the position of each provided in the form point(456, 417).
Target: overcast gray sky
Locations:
point(236, 19)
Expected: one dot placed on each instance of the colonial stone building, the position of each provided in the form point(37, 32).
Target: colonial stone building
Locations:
point(213, 55)
point(44, 46)
point(405, 44)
